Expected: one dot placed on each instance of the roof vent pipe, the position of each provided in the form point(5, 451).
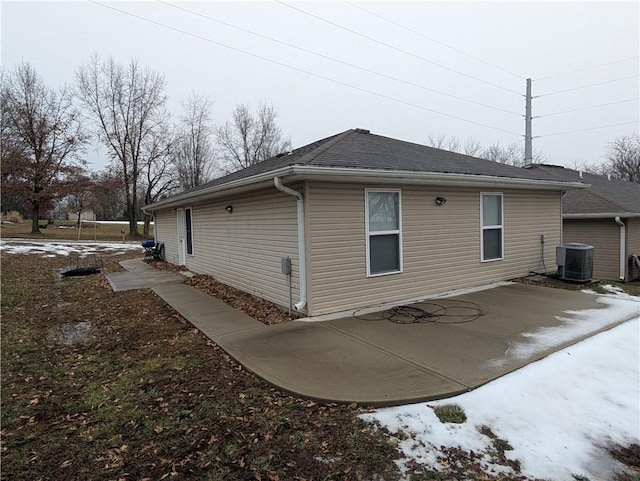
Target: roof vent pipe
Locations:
point(302, 258)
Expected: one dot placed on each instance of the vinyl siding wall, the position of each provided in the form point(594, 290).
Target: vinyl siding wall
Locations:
point(166, 230)
point(441, 245)
point(604, 236)
point(244, 248)
point(633, 237)
point(633, 243)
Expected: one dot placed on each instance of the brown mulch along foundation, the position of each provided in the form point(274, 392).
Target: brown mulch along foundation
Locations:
point(165, 266)
point(260, 309)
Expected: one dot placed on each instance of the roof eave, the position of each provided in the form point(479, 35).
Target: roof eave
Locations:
point(602, 215)
point(213, 191)
point(304, 172)
point(428, 178)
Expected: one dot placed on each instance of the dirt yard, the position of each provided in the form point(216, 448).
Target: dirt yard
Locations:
point(98, 385)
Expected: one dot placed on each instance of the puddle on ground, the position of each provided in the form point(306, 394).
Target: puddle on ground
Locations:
point(73, 333)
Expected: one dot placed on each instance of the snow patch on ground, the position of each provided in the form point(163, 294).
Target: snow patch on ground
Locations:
point(52, 248)
point(619, 307)
point(559, 414)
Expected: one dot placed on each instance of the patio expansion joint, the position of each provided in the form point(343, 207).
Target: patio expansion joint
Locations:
point(396, 355)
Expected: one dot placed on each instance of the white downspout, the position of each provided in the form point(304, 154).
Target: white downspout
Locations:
point(302, 258)
point(622, 247)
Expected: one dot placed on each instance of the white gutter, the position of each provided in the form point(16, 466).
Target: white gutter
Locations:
point(344, 174)
point(623, 248)
point(602, 215)
point(432, 178)
point(302, 258)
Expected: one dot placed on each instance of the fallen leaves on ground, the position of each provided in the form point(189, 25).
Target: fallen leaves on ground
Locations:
point(260, 309)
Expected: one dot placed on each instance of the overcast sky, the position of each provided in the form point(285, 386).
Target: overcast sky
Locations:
point(478, 51)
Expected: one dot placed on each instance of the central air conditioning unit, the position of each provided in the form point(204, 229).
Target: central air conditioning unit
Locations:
point(575, 262)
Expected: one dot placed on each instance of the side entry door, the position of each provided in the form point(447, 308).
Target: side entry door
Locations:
point(182, 237)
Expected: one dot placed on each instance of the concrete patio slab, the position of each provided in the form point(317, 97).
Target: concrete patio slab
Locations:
point(213, 317)
point(124, 281)
point(382, 362)
point(321, 363)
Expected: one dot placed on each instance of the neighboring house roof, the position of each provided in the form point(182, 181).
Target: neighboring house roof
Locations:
point(604, 198)
point(358, 155)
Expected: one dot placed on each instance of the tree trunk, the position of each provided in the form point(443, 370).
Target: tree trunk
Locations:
point(133, 211)
point(35, 218)
point(133, 225)
point(147, 222)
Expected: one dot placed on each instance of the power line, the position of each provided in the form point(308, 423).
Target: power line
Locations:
point(398, 49)
point(586, 86)
point(420, 34)
point(339, 82)
point(635, 57)
point(584, 130)
point(333, 59)
point(587, 108)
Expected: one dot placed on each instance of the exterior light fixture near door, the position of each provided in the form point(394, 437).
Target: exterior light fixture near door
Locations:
point(441, 200)
point(229, 208)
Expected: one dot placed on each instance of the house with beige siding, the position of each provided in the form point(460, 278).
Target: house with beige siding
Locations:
point(605, 215)
point(363, 220)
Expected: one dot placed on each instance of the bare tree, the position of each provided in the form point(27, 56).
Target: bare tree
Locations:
point(442, 141)
point(472, 147)
point(127, 104)
point(193, 149)
point(249, 139)
point(511, 154)
point(41, 137)
point(160, 176)
point(623, 154)
point(108, 199)
point(79, 191)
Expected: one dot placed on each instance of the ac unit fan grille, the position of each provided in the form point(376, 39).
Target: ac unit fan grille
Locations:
point(575, 262)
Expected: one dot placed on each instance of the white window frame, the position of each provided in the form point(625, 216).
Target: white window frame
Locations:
point(491, 227)
point(368, 233)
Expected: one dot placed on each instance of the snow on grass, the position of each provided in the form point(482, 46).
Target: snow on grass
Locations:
point(559, 414)
point(52, 249)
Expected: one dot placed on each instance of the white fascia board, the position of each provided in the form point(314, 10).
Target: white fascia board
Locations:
point(208, 192)
point(603, 215)
point(429, 178)
point(336, 174)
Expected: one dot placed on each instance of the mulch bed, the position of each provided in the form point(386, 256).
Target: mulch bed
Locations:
point(260, 309)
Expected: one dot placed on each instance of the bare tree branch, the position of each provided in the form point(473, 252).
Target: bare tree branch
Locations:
point(250, 139)
point(193, 149)
point(127, 104)
point(623, 154)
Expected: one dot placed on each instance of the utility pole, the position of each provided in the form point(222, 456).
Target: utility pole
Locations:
point(528, 151)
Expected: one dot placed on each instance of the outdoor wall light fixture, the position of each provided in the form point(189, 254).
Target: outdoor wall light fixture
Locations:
point(229, 208)
point(441, 200)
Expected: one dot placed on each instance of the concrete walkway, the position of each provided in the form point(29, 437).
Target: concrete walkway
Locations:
point(377, 362)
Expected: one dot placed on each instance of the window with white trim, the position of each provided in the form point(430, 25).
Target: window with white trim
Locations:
point(384, 231)
point(491, 223)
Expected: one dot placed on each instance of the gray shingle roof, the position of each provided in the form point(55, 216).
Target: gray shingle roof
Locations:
point(603, 197)
point(358, 149)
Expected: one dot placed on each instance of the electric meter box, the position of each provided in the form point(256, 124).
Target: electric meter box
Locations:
point(286, 265)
